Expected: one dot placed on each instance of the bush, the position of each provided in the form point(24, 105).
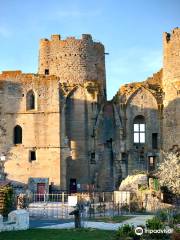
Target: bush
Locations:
point(6, 195)
point(156, 224)
point(126, 232)
point(177, 230)
point(176, 218)
point(162, 215)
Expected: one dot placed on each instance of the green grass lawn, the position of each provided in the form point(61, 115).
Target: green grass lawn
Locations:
point(58, 234)
point(115, 219)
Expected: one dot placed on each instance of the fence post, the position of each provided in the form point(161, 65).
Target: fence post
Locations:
point(100, 208)
point(104, 205)
point(113, 203)
point(93, 207)
point(63, 197)
point(62, 204)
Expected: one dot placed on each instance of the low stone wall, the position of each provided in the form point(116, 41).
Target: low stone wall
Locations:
point(17, 220)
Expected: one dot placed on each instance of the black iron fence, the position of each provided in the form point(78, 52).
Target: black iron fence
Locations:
point(94, 205)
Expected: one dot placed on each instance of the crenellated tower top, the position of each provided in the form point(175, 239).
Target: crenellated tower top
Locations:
point(73, 60)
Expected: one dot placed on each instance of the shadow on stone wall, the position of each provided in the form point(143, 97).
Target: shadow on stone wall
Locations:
point(171, 134)
point(11, 95)
point(85, 161)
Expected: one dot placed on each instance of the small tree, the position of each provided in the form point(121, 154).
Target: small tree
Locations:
point(6, 199)
point(169, 172)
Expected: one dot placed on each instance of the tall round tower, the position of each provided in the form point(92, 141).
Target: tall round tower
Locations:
point(80, 66)
point(73, 60)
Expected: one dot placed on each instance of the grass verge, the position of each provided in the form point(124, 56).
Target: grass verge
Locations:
point(58, 234)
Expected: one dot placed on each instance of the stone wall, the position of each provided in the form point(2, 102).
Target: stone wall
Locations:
point(145, 100)
point(171, 86)
point(80, 114)
point(141, 103)
point(40, 126)
point(63, 142)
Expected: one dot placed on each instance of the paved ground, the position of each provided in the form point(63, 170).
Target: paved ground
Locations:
point(60, 224)
point(36, 223)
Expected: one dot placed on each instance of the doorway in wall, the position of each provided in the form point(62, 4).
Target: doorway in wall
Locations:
point(41, 190)
point(73, 185)
point(151, 163)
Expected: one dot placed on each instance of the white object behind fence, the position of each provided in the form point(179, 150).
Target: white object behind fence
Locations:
point(72, 201)
point(122, 197)
point(17, 220)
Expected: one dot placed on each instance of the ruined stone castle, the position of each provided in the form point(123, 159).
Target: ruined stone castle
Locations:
point(57, 127)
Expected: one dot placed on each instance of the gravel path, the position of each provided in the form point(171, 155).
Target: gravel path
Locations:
point(138, 220)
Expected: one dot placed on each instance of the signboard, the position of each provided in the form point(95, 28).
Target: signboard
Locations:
point(2, 158)
point(122, 197)
point(72, 201)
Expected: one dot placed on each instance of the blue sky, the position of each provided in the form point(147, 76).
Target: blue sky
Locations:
point(131, 31)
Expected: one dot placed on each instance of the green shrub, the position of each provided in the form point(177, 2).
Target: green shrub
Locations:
point(162, 215)
point(6, 195)
point(177, 229)
point(156, 224)
point(176, 218)
point(126, 232)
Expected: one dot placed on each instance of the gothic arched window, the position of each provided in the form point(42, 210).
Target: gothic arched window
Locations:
point(139, 129)
point(30, 100)
point(17, 134)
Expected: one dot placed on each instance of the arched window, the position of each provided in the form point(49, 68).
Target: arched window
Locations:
point(139, 129)
point(17, 135)
point(30, 100)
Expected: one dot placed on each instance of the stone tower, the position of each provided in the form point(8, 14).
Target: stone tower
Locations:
point(171, 87)
point(73, 60)
point(80, 66)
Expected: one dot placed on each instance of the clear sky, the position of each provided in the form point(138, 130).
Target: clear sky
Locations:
point(131, 31)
